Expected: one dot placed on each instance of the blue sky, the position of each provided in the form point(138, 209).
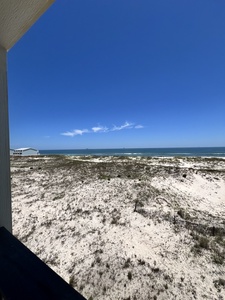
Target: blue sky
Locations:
point(111, 74)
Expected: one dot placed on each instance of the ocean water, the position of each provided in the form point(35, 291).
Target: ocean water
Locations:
point(203, 151)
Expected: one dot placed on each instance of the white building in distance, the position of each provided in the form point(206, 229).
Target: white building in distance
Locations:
point(25, 152)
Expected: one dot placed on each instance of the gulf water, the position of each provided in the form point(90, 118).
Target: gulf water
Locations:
point(165, 152)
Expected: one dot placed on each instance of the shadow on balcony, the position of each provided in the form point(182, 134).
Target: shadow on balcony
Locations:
point(24, 276)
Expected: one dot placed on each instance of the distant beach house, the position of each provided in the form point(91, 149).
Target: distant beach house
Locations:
point(11, 151)
point(25, 152)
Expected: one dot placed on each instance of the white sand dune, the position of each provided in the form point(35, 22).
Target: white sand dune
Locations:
point(77, 215)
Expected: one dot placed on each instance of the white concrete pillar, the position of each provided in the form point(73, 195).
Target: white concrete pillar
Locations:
point(5, 184)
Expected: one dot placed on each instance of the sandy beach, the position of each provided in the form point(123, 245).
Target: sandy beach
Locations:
point(125, 228)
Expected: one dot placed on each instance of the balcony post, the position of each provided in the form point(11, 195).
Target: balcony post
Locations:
point(5, 184)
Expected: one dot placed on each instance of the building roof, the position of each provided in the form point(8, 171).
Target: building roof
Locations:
point(17, 16)
point(25, 149)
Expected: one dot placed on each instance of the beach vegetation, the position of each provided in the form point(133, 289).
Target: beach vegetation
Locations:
point(72, 281)
point(98, 260)
point(129, 275)
point(127, 263)
point(104, 176)
point(219, 239)
point(203, 242)
point(107, 266)
point(181, 213)
point(115, 220)
point(219, 282)
point(155, 269)
point(81, 287)
point(141, 262)
point(59, 196)
point(218, 257)
point(104, 289)
point(138, 204)
point(213, 244)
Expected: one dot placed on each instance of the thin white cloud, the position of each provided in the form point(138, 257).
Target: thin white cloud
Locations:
point(126, 125)
point(75, 132)
point(98, 129)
